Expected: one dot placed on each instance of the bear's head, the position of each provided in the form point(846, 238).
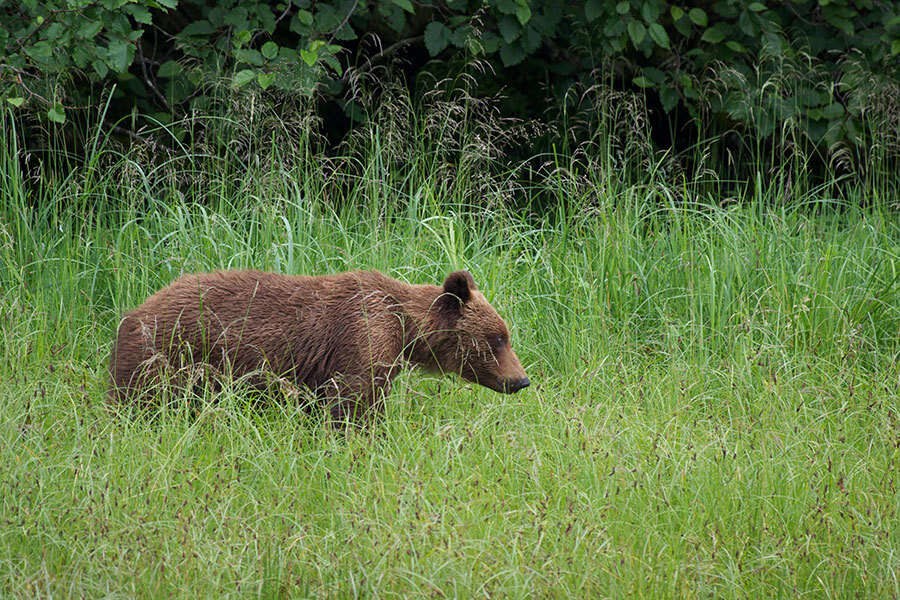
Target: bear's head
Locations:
point(469, 338)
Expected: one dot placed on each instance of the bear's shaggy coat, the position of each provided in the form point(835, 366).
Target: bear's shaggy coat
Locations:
point(343, 336)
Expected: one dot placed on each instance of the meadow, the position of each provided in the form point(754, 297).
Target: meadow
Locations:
point(713, 411)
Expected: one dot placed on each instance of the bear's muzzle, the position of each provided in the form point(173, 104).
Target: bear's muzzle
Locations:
point(511, 386)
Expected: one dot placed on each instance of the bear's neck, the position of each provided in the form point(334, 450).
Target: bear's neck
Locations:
point(418, 307)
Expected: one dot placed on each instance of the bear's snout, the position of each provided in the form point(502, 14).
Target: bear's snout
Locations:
point(511, 386)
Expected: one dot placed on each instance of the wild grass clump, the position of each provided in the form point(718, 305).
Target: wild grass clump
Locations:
point(713, 410)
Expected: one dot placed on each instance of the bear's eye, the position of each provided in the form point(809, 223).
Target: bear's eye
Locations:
point(499, 341)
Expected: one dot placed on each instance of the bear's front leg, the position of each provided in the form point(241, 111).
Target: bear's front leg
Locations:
point(359, 400)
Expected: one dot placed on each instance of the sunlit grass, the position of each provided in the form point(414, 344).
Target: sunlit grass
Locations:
point(713, 410)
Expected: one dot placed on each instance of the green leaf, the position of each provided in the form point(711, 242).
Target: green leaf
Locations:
point(437, 37)
point(840, 23)
point(623, 7)
point(305, 17)
point(100, 68)
point(654, 75)
point(40, 51)
point(649, 12)
point(698, 16)
point(895, 47)
point(506, 7)
point(309, 56)
point(327, 18)
point(659, 35)
point(162, 117)
point(593, 9)
point(668, 96)
point(332, 61)
point(405, 5)
point(117, 23)
point(735, 46)
point(353, 110)
point(531, 39)
point(288, 54)
point(57, 114)
point(396, 18)
point(713, 35)
point(757, 6)
point(54, 33)
point(121, 53)
point(266, 18)
point(270, 50)
point(168, 69)
point(509, 29)
point(17, 102)
point(523, 13)
point(241, 38)
point(265, 80)
point(811, 97)
point(748, 25)
point(642, 82)
point(201, 27)
point(243, 77)
point(345, 33)
point(490, 42)
point(139, 13)
point(676, 13)
point(833, 111)
point(89, 29)
point(461, 35)
point(511, 54)
point(251, 57)
point(637, 32)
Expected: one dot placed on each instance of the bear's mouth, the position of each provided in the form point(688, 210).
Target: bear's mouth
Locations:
point(504, 386)
point(511, 386)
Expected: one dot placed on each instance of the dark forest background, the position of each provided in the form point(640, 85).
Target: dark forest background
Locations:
point(741, 87)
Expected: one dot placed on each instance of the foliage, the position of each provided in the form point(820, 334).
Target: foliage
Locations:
point(819, 66)
point(41, 41)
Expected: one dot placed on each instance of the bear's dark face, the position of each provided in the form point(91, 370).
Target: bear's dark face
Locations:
point(475, 344)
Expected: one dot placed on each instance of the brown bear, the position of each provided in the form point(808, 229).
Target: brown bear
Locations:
point(343, 336)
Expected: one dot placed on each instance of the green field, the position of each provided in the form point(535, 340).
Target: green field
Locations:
point(713, 411)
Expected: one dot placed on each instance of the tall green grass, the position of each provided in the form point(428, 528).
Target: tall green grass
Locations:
point(713, 410)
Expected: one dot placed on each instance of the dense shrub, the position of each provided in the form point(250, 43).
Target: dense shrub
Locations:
point(829, 69)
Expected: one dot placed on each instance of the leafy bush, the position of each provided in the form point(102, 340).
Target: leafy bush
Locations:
point(829, 68)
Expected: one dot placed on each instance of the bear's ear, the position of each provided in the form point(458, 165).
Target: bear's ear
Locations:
point(460, 284)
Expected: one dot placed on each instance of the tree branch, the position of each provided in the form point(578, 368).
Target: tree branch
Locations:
point(150, 84)
point(127, 132)
point(344, 22)
point(387, 52)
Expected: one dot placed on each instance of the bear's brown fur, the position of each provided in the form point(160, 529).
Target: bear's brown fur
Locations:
point(344, 336)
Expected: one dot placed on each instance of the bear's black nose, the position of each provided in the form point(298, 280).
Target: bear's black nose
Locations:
point(514, 385)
